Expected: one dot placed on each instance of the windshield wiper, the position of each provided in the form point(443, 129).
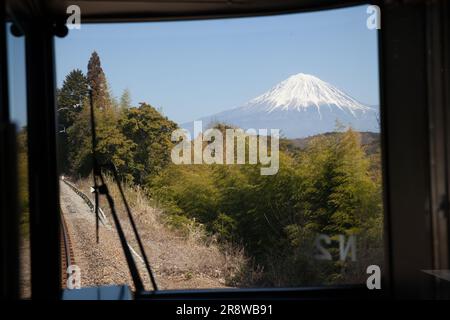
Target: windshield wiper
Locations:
point(103, 189)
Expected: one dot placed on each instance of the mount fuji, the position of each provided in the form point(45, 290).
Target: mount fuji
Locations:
point(300, 106)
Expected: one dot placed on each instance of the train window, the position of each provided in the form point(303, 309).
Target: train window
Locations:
point(18, 111)
point(248, 150)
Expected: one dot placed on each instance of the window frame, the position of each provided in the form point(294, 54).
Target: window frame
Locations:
point(406, 37)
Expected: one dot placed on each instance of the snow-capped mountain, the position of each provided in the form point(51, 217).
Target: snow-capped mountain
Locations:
point(300, 106)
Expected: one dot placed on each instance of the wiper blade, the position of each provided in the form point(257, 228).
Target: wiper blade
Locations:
point(103, 189)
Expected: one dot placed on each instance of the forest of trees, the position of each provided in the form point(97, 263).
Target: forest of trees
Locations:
point(135, 139)
point(332, 186)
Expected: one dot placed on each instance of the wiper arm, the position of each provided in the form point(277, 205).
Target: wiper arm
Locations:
point(95, 166)
point(133, 225)
point(103, 189)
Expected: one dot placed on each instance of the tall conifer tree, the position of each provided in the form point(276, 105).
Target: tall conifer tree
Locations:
point(71, 96)
point(97, 82)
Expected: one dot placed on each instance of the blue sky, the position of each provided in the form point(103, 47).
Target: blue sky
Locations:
point(16, 79)
point(197, 68)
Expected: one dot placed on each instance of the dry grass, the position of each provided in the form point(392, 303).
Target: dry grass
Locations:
point(188, 259)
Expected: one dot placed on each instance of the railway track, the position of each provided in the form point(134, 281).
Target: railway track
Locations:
point(66, 245)
point(67, 255)
point(88, 201)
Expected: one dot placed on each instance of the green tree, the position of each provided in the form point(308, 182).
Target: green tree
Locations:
point(70, 97)
point(79, 161)
point(112, 145)
point(338, 195)
point(337, 183)
point(70, 101)
point(151, 133)
point(97, 82)
point(125, 99)
point(330, 187)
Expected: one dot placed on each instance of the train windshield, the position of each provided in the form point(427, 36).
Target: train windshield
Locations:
point(248, 151)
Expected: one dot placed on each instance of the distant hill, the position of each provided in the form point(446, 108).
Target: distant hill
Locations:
point(369, 140)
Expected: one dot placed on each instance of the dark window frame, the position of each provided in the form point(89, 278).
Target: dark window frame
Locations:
point(411, 57)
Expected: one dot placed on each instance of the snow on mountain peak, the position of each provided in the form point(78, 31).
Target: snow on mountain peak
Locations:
point(301, 91)
point(300, 106)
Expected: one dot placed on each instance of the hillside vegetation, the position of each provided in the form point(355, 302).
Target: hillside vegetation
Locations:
point(185, 257)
